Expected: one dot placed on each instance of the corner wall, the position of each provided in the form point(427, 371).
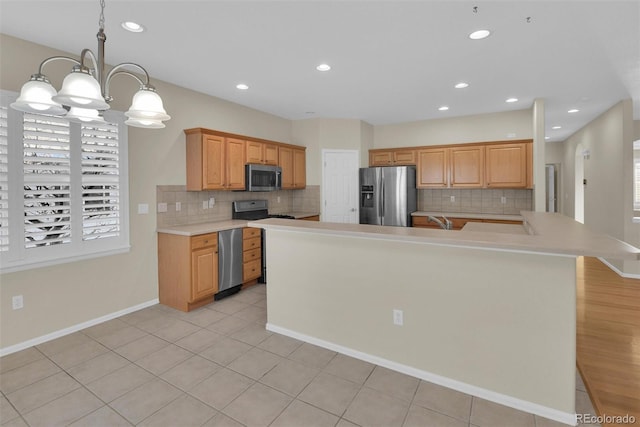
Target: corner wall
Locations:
point(61, 296)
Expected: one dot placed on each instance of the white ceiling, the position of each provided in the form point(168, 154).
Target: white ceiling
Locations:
point(392, 61)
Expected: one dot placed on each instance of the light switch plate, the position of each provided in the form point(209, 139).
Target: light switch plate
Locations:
point(178, 206)
point(162, 207)
point(143, 208)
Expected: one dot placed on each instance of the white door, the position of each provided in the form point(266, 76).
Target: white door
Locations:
point(340, 186)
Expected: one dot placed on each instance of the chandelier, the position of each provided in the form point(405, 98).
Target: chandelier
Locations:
point(84, 95)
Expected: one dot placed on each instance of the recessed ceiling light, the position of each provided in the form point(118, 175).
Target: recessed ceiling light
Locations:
point(480, 34)
point(511, 100)
point(556, 127)
point(547, 137)
point(242, 86)
point(443, 108)
point(323, 67)
point(134, 27)
point(461, 85)
point(573, 110)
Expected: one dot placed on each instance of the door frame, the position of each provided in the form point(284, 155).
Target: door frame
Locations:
point(323, 187)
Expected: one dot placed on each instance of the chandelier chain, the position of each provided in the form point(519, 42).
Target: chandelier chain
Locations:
point(101, 21)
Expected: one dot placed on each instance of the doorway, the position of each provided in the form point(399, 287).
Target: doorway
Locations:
point(578, 212)
point(340, 186)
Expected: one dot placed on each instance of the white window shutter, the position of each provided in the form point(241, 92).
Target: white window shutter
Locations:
point(101, 204)
point(4, 180)
point(47, 180)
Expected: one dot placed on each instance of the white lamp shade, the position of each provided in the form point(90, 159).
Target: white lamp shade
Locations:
point(81, 90)
point(35, 97)
point(147, 105)
point(84, 115)
point(145, 123)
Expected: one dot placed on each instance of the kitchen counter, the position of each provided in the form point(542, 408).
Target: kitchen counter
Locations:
point(469, 215)
point(203, 228)
point(301, 215)
point(552, 234)
point(488, 311)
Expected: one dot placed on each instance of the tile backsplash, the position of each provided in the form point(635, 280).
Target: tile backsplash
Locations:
point(192, 203)
point(490, 201)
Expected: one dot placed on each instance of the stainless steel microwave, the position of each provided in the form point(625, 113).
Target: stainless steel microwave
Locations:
point(263, 177)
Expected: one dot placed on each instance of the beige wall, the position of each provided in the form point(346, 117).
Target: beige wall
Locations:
point(608, 195)
point(519, 327)
point(477, 128)
point(62, 296)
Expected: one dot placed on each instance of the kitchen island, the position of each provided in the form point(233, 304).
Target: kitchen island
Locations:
point(490, 314)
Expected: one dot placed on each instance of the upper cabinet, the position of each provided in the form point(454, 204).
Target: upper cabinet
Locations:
point(392, 157)
point(293, 162)
point(262, 153)
point(506, 165)
point(477, 165)
point(216, 160)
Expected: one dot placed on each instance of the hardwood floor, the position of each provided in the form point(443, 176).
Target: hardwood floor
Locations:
point(608, 338)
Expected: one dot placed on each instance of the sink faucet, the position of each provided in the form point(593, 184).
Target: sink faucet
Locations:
point(446, 225)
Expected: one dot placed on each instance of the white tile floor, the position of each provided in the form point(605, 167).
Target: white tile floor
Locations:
point(218, 366)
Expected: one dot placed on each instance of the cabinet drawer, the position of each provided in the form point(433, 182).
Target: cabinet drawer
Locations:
point(251, 255)
point(252, 243)
point(251, 270)
point(204, 240)
point(249, 232)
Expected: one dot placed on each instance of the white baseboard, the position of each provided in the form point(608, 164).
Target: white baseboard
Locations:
point(502, 399)
point(75, 328)
point(620, 273)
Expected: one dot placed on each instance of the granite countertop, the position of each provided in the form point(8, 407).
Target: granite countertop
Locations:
point(504, 217)
point(549, 233)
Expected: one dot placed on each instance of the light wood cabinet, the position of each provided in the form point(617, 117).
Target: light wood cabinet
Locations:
point(251, 254)
point(214, 162)
point(394, 157)
point(294, 167)
point(261, 153)
point(466, 166)
point(506, 165)
point(433, 168)
point(187, 270)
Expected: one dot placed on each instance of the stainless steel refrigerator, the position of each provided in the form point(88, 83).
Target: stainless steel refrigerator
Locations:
point(387, 195)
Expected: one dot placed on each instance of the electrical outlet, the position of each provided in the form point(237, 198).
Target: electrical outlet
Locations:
point(178, 206)
point(398, 317)
point(17, 302)
point(503, 200)
point(453, 199)
point(205, 204)
point(212, 202)
point(278, 199)
point(162, 207)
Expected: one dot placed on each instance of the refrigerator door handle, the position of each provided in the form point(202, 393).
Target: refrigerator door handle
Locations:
point(381, 199)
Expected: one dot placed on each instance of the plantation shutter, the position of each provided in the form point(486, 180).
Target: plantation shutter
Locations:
point(100, 181)
point(636, 182)
point(47, 179)
point(4, 180)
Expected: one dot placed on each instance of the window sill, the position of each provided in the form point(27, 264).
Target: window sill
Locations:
point(58, 261)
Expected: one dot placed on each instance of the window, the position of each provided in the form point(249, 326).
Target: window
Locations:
point(63, 188)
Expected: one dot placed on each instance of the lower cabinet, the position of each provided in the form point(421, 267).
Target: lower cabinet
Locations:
point(187, 270)
point(251, 255)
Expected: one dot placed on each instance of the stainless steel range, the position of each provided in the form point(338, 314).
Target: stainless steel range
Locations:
point(252, 210)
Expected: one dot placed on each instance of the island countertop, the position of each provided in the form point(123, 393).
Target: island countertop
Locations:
point(546, 233)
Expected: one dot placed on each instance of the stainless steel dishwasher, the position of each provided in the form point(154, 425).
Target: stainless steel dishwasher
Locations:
point(229, 262)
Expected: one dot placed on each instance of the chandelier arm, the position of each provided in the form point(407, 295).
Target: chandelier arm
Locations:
point(54, 58)
point(114, 73)
point(90, 54)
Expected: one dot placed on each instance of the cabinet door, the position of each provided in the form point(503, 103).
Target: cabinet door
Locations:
point(380, 158)
point(235, 164)
point(213, 155)
point(506, 165)
point(204, 272)
point(299, 168)
point(467, 166)
point(270, 154)
point(404, 157)
point(255, 152)
point(432, 168)
point(285, 161)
